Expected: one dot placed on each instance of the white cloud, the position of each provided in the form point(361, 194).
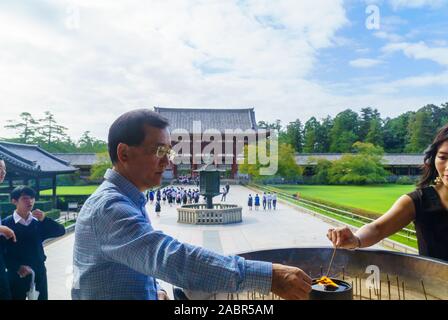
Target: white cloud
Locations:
point(178, 53)
point(393, 37)
point(397, 4)
point(414, 82)
point(420, 51)
point(365, 63)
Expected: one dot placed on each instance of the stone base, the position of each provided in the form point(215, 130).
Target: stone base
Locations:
point(199, 214)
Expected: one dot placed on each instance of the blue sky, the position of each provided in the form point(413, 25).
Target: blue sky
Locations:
point(89, 61)
point(424, 24)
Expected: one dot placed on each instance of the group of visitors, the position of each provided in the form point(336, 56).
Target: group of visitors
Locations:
point(188, 179)
point(269, 201)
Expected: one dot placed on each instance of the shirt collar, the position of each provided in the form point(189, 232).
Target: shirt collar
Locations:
point(127, 187)
point(19, 219)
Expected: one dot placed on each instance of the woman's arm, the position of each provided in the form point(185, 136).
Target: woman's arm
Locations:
point(396, 218)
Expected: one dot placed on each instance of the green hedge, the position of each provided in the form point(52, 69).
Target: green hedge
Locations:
point(406, 180)
point(62, 201)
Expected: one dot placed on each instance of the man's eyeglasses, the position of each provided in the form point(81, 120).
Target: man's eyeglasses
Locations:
point(163, 151)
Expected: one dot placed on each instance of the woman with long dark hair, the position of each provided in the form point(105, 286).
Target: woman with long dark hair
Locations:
point(427, 207)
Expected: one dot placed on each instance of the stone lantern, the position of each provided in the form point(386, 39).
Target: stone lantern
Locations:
point(209, 182)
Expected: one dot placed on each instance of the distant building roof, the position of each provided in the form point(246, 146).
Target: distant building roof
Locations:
point(219, 119)
point(391, 159)
point(32, 160)
point(78, 159)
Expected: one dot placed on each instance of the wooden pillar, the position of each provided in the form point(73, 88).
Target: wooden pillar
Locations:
point(175, 171)
point(194, 167)
point(54, 191)
point(234, 165)
point(37, 189)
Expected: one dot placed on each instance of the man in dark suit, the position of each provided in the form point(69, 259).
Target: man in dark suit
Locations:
point(27, 255)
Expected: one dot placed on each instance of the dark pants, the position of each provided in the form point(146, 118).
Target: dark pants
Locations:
point(5, 292)
point(20, 286)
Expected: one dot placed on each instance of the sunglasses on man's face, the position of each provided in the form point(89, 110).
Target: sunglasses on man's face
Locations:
point(163, 151)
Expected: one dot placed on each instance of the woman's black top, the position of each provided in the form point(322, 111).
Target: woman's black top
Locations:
point(431, 223)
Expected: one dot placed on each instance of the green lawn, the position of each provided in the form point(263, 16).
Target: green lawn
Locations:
point(378, 198)
point(372, 198)
point(71, 191)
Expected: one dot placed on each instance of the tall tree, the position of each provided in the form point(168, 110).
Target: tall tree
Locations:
point(436, 115)
point(444, 114)
point(50, 131)
point(420, 132)
point(310, 136)
point(87, 143)
point(375, 133)
point(344, 131)
point(367, 116)
point(294, 135)
point(26, 127)
point(324, 135)
point(395, 133)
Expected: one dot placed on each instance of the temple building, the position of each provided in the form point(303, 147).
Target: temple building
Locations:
point(26, 163)
point(219, 120)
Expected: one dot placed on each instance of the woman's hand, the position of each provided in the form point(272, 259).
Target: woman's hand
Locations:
point(343, 238)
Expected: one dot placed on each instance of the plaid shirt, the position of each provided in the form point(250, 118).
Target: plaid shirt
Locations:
point(117, 254)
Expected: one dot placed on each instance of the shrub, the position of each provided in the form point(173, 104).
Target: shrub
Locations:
point(405, 180)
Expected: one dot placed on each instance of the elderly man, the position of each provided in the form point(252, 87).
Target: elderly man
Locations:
point(118, 255)
point(5, 234)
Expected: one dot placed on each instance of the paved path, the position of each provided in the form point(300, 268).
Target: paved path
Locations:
point(285, 227)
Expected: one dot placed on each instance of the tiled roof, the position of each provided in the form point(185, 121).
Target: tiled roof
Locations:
point(78, 159)
point(33, 159)
point(219, 119)
point(391, 159)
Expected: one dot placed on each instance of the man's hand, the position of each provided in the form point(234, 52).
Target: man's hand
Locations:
point(162, 295)
point(39, 215)
point(24, 271)
point(290, 283)
point(8, 233)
